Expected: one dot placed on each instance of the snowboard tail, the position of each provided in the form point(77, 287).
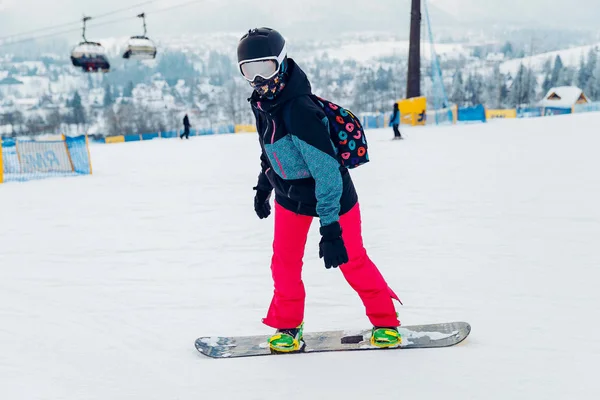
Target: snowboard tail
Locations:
point(413, 337)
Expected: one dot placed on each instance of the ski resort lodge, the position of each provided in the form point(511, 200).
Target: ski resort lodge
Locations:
point(564, 97)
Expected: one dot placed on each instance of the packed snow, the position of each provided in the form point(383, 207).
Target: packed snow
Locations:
point(107, 280)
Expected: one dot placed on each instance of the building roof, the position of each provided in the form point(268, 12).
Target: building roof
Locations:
point(9, 80)
point(564, 96)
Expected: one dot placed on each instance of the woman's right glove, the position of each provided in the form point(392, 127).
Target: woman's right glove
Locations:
point(332, 247)
point(261, 203)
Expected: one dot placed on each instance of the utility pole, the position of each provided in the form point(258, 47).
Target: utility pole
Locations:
point(413, 88)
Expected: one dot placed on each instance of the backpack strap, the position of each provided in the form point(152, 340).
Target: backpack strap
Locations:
point(287, 110)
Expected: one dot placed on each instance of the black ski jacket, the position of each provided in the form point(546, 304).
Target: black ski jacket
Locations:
point(298, 158)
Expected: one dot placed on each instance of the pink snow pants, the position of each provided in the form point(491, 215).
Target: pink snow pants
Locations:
point(287, 307)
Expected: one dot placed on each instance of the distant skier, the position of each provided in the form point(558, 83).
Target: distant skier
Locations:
point(299, 162)
point(395, 122)
point(186, 127)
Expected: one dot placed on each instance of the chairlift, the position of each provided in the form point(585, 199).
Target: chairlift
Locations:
point(140, 47)
point(89, 56)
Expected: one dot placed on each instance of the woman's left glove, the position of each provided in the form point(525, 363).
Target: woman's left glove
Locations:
point(331, 246)
point(261, 203)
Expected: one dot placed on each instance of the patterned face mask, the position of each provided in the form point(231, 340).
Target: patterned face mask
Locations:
point(269, 88)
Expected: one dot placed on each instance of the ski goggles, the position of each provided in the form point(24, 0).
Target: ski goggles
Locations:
point(265, 67)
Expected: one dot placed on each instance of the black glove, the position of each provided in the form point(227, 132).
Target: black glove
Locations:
point(261, 203)
point(331, 246)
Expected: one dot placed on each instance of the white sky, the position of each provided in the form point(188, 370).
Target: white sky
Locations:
point(299, 15)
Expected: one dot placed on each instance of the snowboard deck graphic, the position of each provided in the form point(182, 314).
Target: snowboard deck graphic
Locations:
point(413, 337)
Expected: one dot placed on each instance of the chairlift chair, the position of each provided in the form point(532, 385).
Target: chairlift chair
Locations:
point(89, 56)
point(140, 47)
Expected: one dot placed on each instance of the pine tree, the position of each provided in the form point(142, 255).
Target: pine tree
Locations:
point(495, 89)
point(492, 88)
point(547, 84)
point(531, 85)
point(516, 90)
point(592, 61)
point(111, 123)
point(79, 117)
point(474, 89)
point(128, 92)
point(508, 50)
point(566, 78)
point(591, 67)
point(556, 72)
point(457, 94)
point(54, 121)
point(524, 87)
point(592, 89)
point(582, 74)
point(503, 96)
point(382, 80)
point(108, 96)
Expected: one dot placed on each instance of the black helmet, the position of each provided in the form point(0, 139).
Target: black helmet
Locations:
point(262, 43)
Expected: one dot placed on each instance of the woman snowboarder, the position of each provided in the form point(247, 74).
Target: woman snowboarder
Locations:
point(299, 161)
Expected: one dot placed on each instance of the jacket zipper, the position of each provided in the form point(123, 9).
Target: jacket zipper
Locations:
point(289, 192)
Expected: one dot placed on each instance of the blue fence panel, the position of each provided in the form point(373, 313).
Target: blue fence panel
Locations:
point(8, 142)
point(588, 107)
point(79, 154)
point(169, 134)
point(149, 136)
point(472, 114)
point(548, 111)
point(373, 121)
point(132, 138)
point(530, 112)
point(10, 158)
point(205, 131)
point(226, 129)
point(443, 116)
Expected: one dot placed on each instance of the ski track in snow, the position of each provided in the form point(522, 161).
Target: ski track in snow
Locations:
point(107, 280)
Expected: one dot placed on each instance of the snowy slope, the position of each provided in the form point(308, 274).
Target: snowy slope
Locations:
point(570, 58)
point(105, 281)
point(368, 51)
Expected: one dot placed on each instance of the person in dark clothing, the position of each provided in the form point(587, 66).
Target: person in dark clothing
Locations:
point(298, 161)
point(186, 127)
point(395, 122)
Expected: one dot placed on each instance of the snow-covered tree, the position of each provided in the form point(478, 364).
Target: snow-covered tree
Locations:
point(108, 96)
point(557, 71)
point(457, 93)
point(524, 88)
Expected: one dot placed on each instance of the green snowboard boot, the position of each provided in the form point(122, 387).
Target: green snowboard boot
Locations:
point(385, 337)
point(287, 340)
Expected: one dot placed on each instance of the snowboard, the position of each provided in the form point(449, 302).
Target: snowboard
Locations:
point(413, 337)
